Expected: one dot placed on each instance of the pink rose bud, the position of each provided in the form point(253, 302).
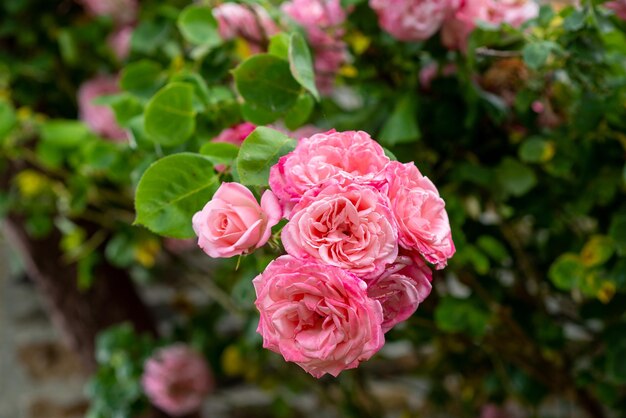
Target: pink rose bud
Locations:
point(351, 155)
point(619, 7)
point(99, 118)
point(235, 134)
point(233, 222)
point(250, 22)
point(459, 26)
point(420, 213)
point(122, 12)
point(176, 379)
point(348, 226)
point(412, 20)
point(119, 42)
point(317, 316)
point(537, 106)
point(401, 288)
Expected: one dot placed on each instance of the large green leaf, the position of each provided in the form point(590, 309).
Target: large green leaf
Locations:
point(514, 177)
point(266, 82)
point(62, 133)
point(402, 127)
point(142, 78)
point(170, 117)
point(171, 191)
point(301, 63)
point(261, 150)
point(220, 152)
point(300, 112)
point(198, 26)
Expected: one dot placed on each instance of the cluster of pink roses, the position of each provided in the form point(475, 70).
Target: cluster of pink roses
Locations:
point(176, 379)
point(322, 20)
point(417, 20)
point(359, 229)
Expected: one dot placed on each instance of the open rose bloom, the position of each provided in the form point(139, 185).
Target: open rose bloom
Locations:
point(361, 232)
point(100, 118)
point(176, 379)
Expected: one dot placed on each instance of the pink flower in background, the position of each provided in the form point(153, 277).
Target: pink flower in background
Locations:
point(420, 213)
point(235, 134)
point(401, 288)
point(348, 226)
point(317, 316)
point(322, 20)
point(431, 71)
point(176, 379)
point(315, 13)
point(459, 26)
point(353, 155)
point(412, 20)
point(619, 7)
point(250, 22)
point(122, 12)
point(119, 42)
point(100, 119)
point(233, 222)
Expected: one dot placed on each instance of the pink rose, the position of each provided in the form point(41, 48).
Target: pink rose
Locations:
point(233, 223)
point(250, 22)
point(348, 226)
point(619, 7)
point(352, 155)
point(412, 20)
point(100, 119)
point(459, 26)
point(121, 11)
point(119, 42)
point(176, 379)
point(420, 213)
point(235, 134)
point(317, 316)
point(400, 289)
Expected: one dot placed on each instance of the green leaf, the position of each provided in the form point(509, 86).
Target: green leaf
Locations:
point(198, 26)
point(575, 21)
point(536, 150)
point(171, 191)
point(617, 231)
point(515, 178)
point(220, 152)
point(126, 107)
point(266, 82)
point(461, 315)
point(279, 45)
point(567, 271)
point(7, 119)
point(64, 133)
point(493, 248)
point(597, 251)
point(170, 118)
point(536, 54)
point(300, 112)
point(142, 78)
point(402, 127)
point(261, 150)
point(301, 63)
point(390, 154)
point(258, 115)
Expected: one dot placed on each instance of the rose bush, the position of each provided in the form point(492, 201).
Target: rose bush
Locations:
point(514, 110)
